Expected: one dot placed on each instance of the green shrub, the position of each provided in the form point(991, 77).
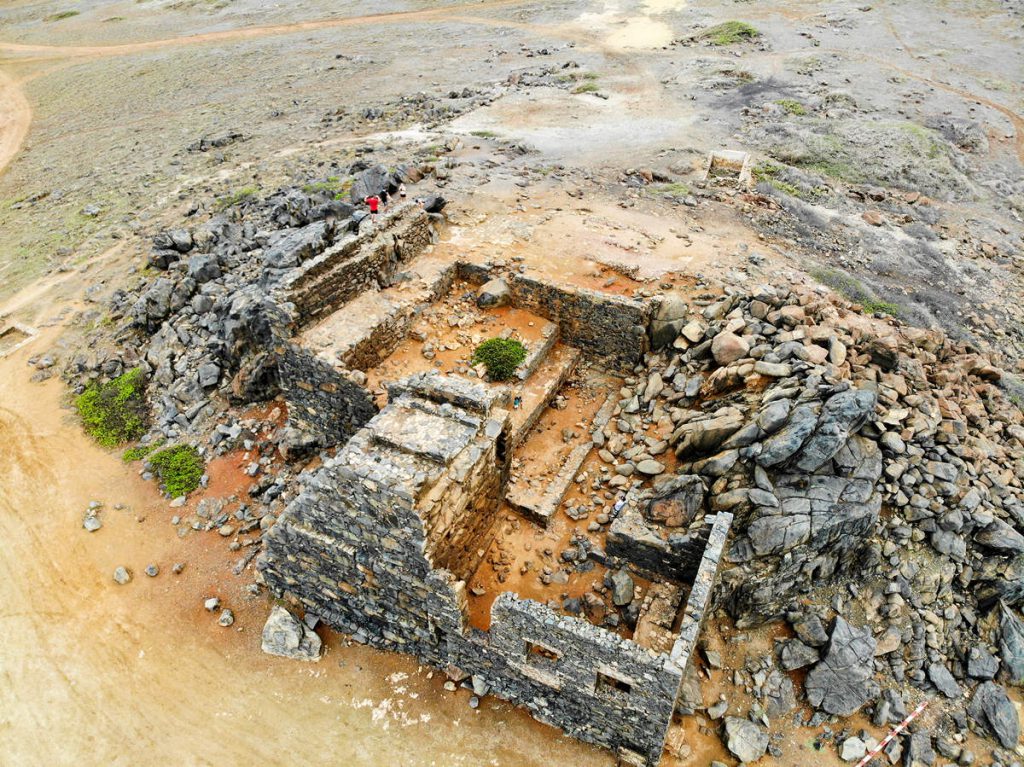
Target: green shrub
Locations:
point(115, 412)
point(139, 452)
point(729, 32)
point(792, 106)
point(180, 468)
point(854, 291)
point(501, 357)
point(235, 198)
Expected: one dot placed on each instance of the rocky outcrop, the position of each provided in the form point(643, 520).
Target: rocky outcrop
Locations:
point(994, 712)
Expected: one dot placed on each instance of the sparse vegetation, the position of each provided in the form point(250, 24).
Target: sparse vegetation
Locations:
point(115, 412)
point(180, 469)
point(500, 356)
point(61, 15)
point(139, 452)
point(729, 33)
point(236, 198)
point(853, 290)
point(483, 133)
point(792, 107)
point(588, 87)
point(676, 189)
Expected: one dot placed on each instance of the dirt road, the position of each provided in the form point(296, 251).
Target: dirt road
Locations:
point(15, 119)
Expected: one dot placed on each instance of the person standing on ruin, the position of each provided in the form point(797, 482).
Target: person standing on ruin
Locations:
point(373, 201)
point(385, 198)
point(401, 191)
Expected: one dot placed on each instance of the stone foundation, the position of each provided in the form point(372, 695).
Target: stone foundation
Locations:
point(380, 538)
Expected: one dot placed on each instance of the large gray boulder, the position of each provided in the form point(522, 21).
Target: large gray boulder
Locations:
point(288, 637)
point(290, 247)
point(746, 740)
point(842, 415)
point(1011, 644)
point(784, 444)
point(668, 320)
point(1000, 537)
point(841, 683)
point(995, 714)
point(677, 501)
point(493, 293)
point(371, 181)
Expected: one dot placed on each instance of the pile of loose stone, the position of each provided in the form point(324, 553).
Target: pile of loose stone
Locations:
point(875, 471)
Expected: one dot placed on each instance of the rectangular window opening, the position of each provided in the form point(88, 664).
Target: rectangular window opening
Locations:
point(538, 653)
point(607, 682)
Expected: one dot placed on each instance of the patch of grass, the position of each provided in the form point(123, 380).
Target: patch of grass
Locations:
point(331, 185)
point(115, 412)
point(61, 15)
point(501, 357)
point(729, 33)
point(483, 133)
point(792, 107)
point(670, 190)
point(235, 198)
point(180, 469)
point(854, 291)
point(590, 87)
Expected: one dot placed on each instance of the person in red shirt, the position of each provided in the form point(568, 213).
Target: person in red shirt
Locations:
point(374, 202)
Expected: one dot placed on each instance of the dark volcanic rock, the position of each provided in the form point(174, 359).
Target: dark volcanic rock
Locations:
point(841, 416)
point(1011, 644)
point(994, 712)
point(840, 683)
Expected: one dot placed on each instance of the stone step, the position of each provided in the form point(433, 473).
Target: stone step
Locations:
point(541, 505)
point(538, 391)
point(539, 352)
point(369, 327)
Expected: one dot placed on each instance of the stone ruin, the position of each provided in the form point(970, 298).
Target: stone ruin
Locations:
point(823, 453)
point(383, 538)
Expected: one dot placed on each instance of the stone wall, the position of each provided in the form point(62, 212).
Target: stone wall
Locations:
point(591, 683)
point(354, 265)
point(633, 541)
point(605, 327)
point(360, 548)
point(323, 405)
point(702, 591)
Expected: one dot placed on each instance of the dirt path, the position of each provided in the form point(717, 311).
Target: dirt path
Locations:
point(15, 119)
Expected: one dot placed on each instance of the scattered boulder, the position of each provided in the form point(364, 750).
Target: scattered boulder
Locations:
point(840, 683)
point(746, 740)
point(728, 347)
point(286, 636)
point(993, 711)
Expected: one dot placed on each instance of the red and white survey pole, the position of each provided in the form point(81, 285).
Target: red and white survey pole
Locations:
point(892, 735)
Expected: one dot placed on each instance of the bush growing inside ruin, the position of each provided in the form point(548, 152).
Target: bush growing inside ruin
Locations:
point(180, 469)
point(501, 357)
point(115, 412)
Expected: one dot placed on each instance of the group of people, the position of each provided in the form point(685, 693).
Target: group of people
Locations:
point(379, 202)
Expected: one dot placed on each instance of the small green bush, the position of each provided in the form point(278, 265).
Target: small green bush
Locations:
point(501, 357)
point(115, 412)
point(729, 32)
point(792, 106)
point(590, 87)
point(180, 468)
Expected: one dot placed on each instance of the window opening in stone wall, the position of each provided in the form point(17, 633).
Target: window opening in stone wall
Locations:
point(610, 683)
point(541, 656)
